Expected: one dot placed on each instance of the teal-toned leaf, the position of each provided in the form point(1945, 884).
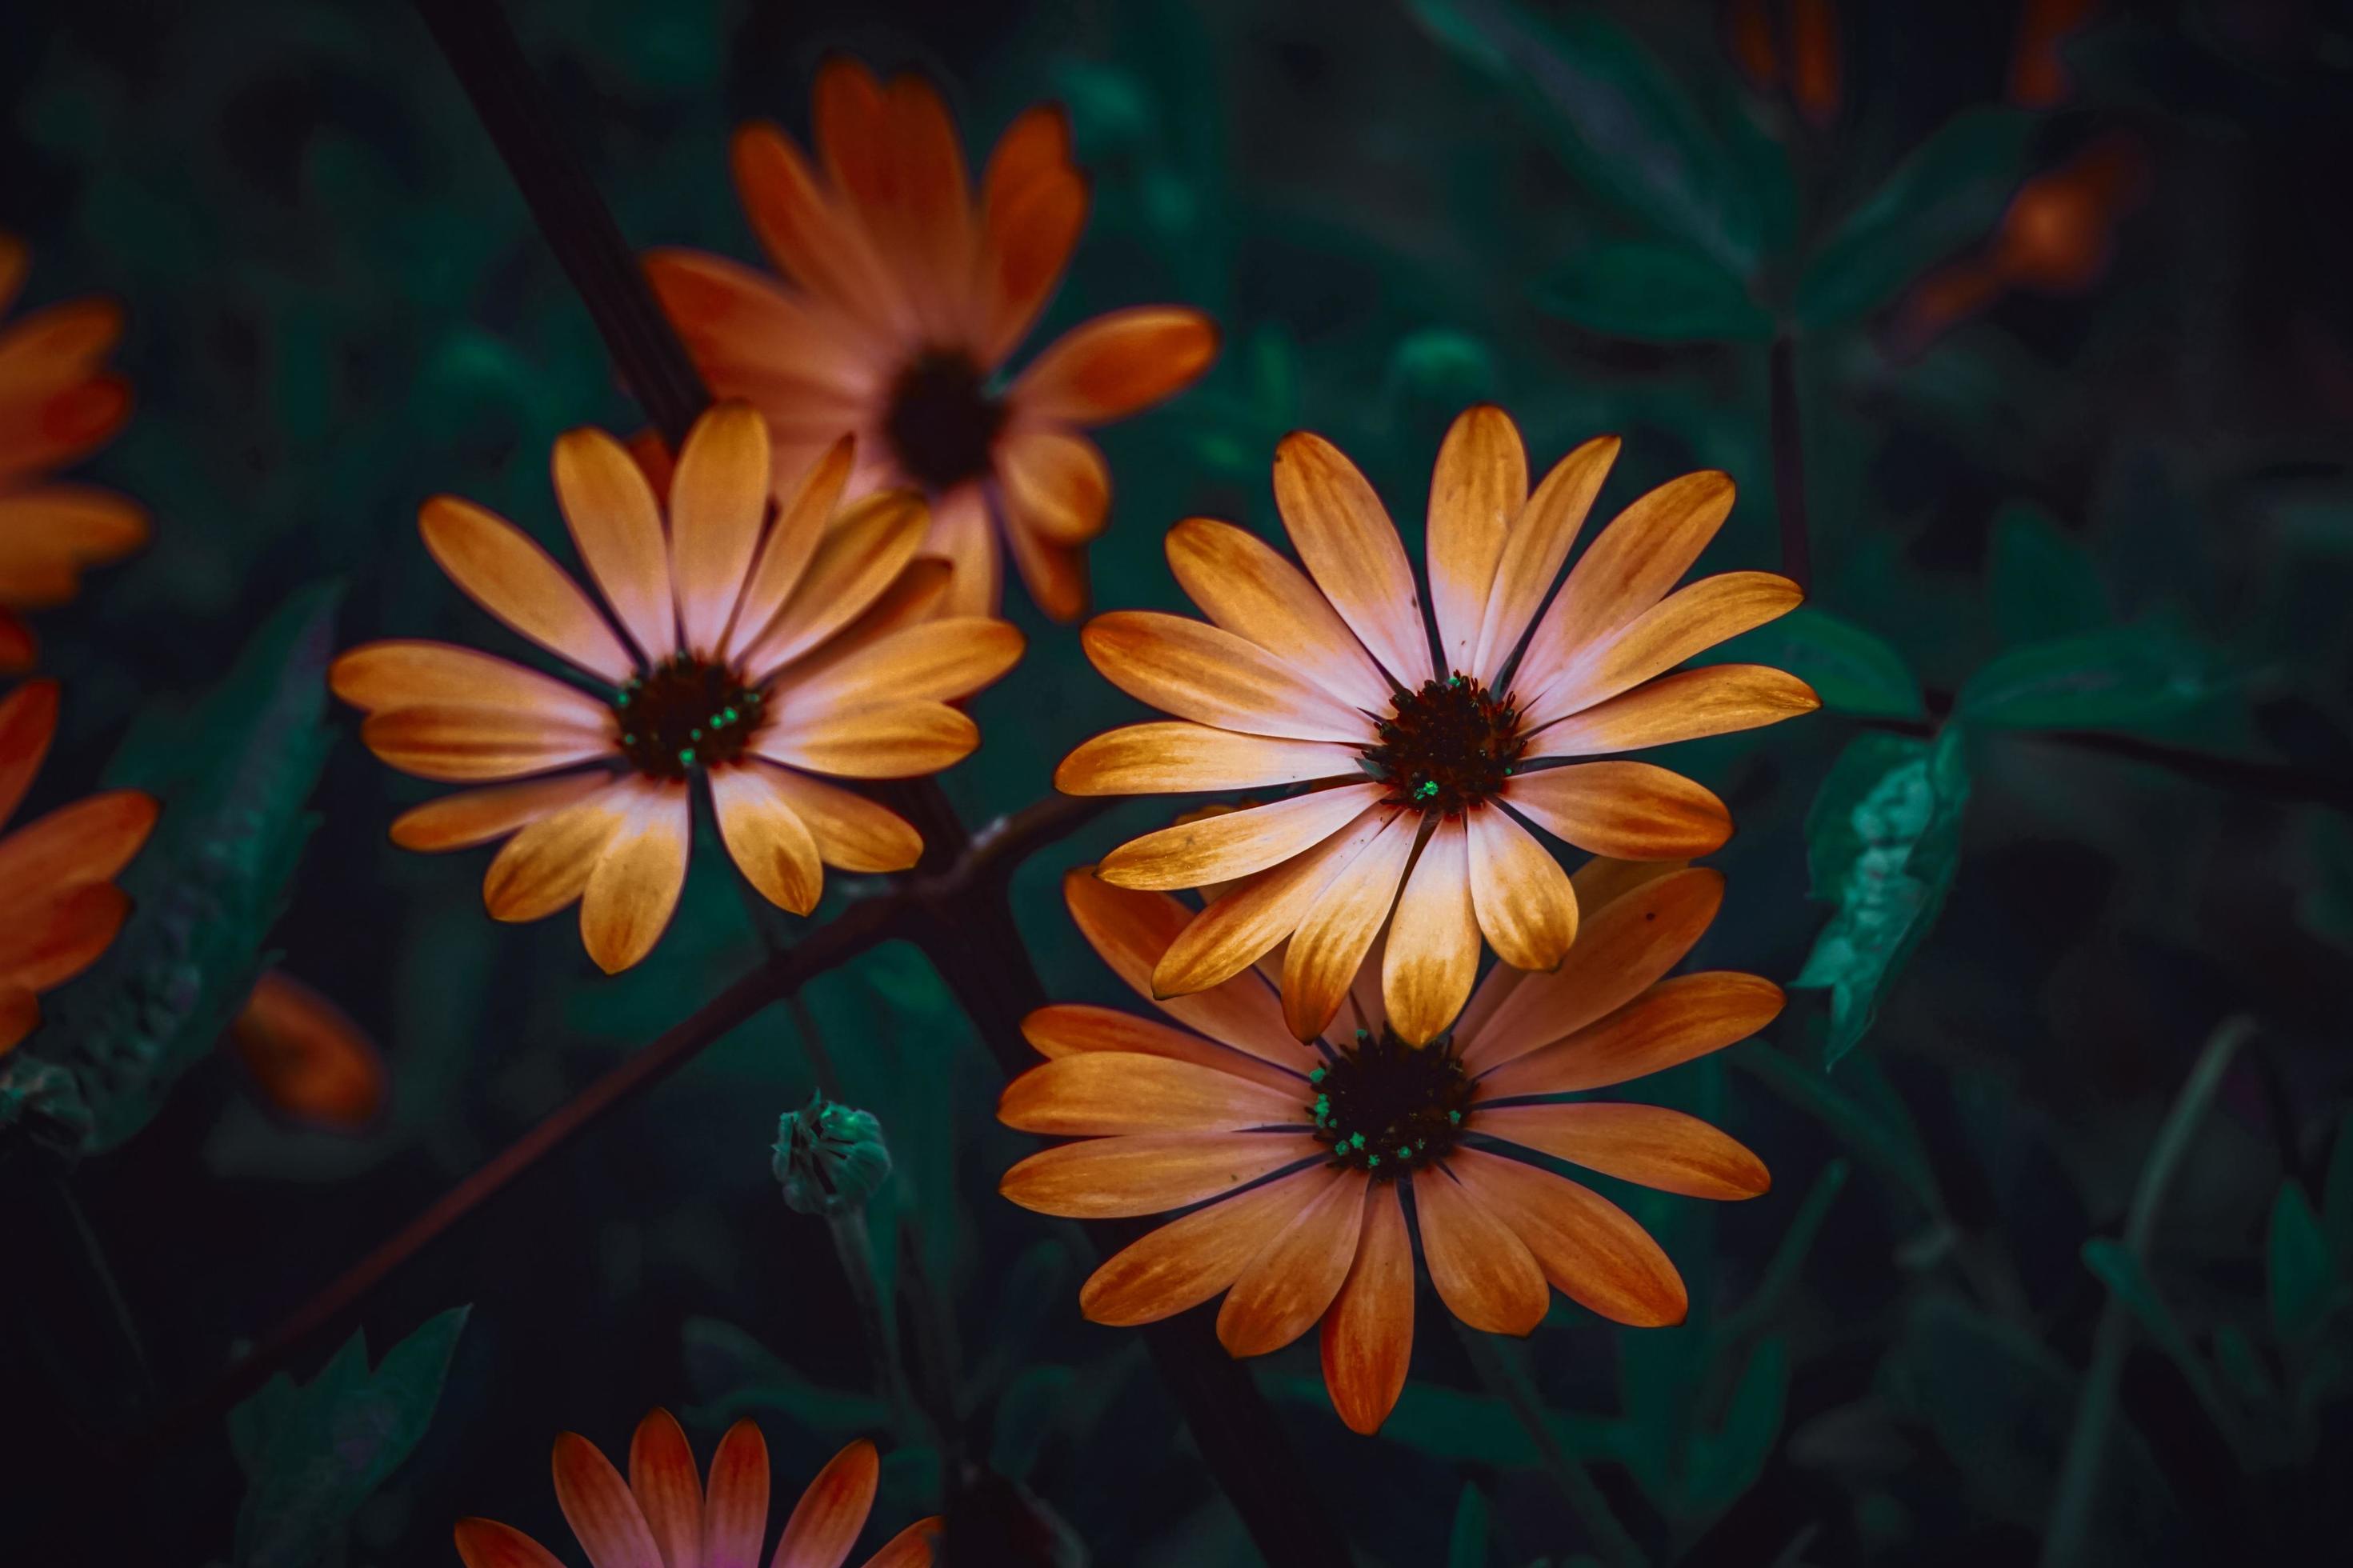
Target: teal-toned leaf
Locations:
point(2325, 904)
point(2243, 1364)
point(1788, 1256)
point(734, 1374)
point(1883, 840)
point(1466, 1542)
point(250, 1424)
point(2044, 585)
point(2129, 1283)
point(1720, 1466)
point(1891, 1146)
point(2295, 1266)
point(1946, 195)
point(1449, 1424)
point(2116, 679)
point(323, 1449)
point(1444, 367)
point(1025, 1416)
point(1655, 291)
point(1853, 671)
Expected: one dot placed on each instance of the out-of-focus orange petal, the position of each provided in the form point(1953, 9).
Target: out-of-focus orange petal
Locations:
point(1112, 366)
point(1748, 27)
point(911, 1548)
point(16, 645)
point(29, 718)
point(2038, 73)
point(1814, 62)
point(2058, 234)
point(54, 935)
point(20, 1015)
point(306, 1056)
point(86, 841)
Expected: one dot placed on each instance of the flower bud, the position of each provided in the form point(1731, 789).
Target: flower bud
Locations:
point(829, 1158)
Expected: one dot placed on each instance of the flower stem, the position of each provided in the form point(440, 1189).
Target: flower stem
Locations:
point(1504, 1376)
point(853, 1243)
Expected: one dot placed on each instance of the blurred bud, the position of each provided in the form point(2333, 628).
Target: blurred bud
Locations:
point(1814, 59)
point(829, 1158)
point(2056, 235)
point(1748, 32)
point(306, 1056)
point(2038, 75)
point(1446, 368)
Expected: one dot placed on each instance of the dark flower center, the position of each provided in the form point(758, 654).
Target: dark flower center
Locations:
point(1386, 1108)
point(942, 421)
point(685, 714)
point(1447, 747)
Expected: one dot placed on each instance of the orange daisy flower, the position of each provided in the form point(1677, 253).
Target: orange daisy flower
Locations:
point(57, 404)
point(662, 1517)
point(1325, 677)
point(57, 873)
point(905, 297)
point(1302, 1157)
point(752, 658)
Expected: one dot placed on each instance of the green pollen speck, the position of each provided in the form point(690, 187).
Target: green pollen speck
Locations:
point(623, 700)
point(1405, 1150)
point(1356, 1141)
point(686, 757)
point(1371, 1160)
point(1362, 1036)
point(1455, 1117)
point(1316, 1076)
point(629, 739)
point(1426, 790)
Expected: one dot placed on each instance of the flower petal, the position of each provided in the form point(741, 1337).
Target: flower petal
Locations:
point(1525, 902)
point(1328, 948)
point(1626, 810)
point(912, 1547)
point(547, 864)
point(636, 883)
point(887, 740)
point(1178, 757)
point(1352, 550)
point(1629, 568)
point(1244, 585)
point(1234, 844)
point(809, 241)
point(1190, 1259)
point(55, 933)
point(475, 817)
point(1686, 622)
point(1110, 367)
point(920, 212)
point(1281, 1292)
point(936, 661)
point(1149, 1173)
point(308, 1059)
point(791, 542)
point(869, 546)
point(1476, 492)
point(597, 1505)
point(1243, 925)
point(617, 525)
point(826, 1523)
point(1065, 1028)
point(1533, 551)
point(735, 1501)
point(669, 1490)
point(718, 499)
point(503, 570)
point(1097, 1093)
point(1646, 1143)
point(1206, 673)
point(1482, 1269)
point(1713, 700)
point(1666, 1027)
point(486, 1544)
point(1055, 483)
point(29, 718)
point(87, 840)
point(20, 1015)
point(962, 534)
point(1589, 1248)
point(1033, 205)
point(1055, 575)
point(467, 745)
point(381, 676)
point(852, 831)
point(50, 531)
point(765, 837)
point(1367, 1340)
point(1434, 946)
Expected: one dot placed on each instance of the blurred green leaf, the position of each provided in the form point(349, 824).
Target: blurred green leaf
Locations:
point(1466, 1428)
point(2295, 1266)
point(2325, 904)
point(2118, 678)
point(2044, 585)
point(1656, 290)
point(1466, 1542)
point(1892, 1146)
point(2236, 1355)
point(1948, 194)
point(2124, 1275)
point(1788, 1257)
point(2337, 1197)
point(1852, 670)
point(1883, 840)
point(1025, 1416)
point(736, 1374)
point(1721, 1465)
point(1444, 367)
point(319, 1451)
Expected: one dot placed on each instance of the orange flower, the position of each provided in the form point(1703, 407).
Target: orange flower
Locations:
point(661, 1516)
point(307, 1058)
point(1321, 681)
point(904, 298)
point(752, 658)
point(56, 406)
point(57, 874)
point(1302, 1156)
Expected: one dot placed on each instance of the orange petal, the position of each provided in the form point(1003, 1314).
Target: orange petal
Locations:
point(88, 841)
point(609, 506)
point(47, 348)
point(1237, 843)
point(1068, 1027)
point(1433, 946)
point(1533, 551)
point(29, 718)
point(20, 1015)
point(865, 551)
point(307, 1056)
point(1621, 947)
point(1149, 1173)
point(1603, 881)
point(1624, 810)
point(1666, 1027)
point(827, 1520)
point(1206, 673)
point(547, 864)
point(936, 661)
point(501, 569)
point(809, 369)
point(475, 817)
point(1033, 205)
point(1097, 1093)
point(791, 544)
point(1055, 482)
point(964, 534)
point(1189, 1260)
point(1589, 1248)
point(1689, 621)
point(1281, 1292)
point(71, 526)
point(1179, 757)
point(486, 1544)
point(1329, 947)
point(597, 1505)
point(918, 594)
point(1112, 366)
point(466, 744)
point(14, 262)
point(17, 648)
point(1245, 586)
point(1367, 1340)
point(1055, 575)
point(56, 934)
point(851, 831)
point(1482, 1269)
point(1523, 901)
point(1643, 553)
point(1476, 492)
point(1351, 548)
point(636, 883)
point(1646, 1143)
point(888, 741)
point(1714, 700)
point(804, 234)
point(911, 1548)
point(669, 1490)
point(765, 837)
point(1243, 925)
point(380, 676)
point(735, 1506)
point(925, 222)
point(717, 501)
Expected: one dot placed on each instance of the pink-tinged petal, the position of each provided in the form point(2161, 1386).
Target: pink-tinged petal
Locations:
point(87, 840)
point(1482, 1269)
point(765, 837)
point(1206, 673)
point(962, 534)
point(1055, 483)
point(1234, 844)
point(1626, 810)
point(791, 544)
point(597, 1505)
point(617, 524)
point(717, 501)
point(1246, 587)
point(1434, 943)
point(937, 661)
point(1149, 1173)
point(1535, 550)
point(1523, 901)
point(1243, 925)
point(887, 740)
point(735, 1503)
point(1622, 948)
point(475, 817)
point(1713, 700)
point(1066, 1028)
point(503, 571)
point(29, 718)
point(1667, 1026)
point(1281, 1292)
point(1630, 567)
point(1686, 622)
point(381, 676)
point(1189, 1260)
point(1112, 366)
point(851, 831)
point(912, 1547)
point(1476, 493)
point(1179, 757)
point(1324, 954)
point(1352, 550)
point(486, 1544)
point(634, 889)
point(662, 1478)
point(548, 864)
point(1646, 1143)
point(1098, 1093)
point(1367, 1340)
point(473, 745)
point(826, 1523)
point(867, 547)
point(1589, 1248)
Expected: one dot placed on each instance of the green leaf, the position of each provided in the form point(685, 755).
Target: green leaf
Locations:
point(321, 1451)
point(1614, 115)
point(1656, 290)
point(2325, 906)
point(1788, 1256)
point(1466, 1543)
point(233, 772)
point(1891, 1145)
point(736, 1374)
point(1442, 366)
point(1946, 195)
point(2118, 678)
point(1883, 840)
point(2044, 585)
point(1449, 1424)
point(2124, 1275)
point(2295, 1266)
point(1720, 1466)
point(1853, 671)
point(1025, 1416)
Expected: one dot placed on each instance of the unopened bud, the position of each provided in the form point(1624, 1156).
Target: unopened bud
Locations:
point(829, 1158)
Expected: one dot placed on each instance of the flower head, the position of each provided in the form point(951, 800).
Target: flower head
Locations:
point(1419, 759)
point(751, 656)
point(663, 1516)
point(1303, 1158)
point(903, 296)
point(57, 404)
point(57, 872)
point(829, 1158)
